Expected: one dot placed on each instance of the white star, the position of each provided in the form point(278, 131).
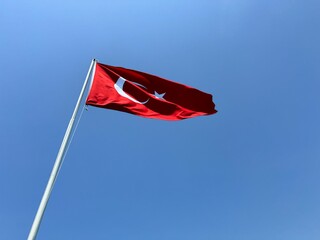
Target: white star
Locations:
point(159, 95)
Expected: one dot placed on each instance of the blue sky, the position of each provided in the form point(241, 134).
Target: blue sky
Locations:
point(249, 172)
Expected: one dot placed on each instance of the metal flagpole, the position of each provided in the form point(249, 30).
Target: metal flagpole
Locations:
point(57, 165)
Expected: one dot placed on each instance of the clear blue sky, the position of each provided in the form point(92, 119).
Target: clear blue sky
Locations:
point(249, 172)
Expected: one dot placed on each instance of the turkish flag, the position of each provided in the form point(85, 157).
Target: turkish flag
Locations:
point(146, 95)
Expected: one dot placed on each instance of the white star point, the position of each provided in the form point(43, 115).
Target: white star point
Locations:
point(159, 95)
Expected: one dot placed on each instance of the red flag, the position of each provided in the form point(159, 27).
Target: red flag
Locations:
point(146, 95)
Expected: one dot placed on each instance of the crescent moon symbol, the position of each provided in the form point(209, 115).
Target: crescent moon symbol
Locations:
point(119, 88)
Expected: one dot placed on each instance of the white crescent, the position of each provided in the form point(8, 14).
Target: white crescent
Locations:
point(119, 88)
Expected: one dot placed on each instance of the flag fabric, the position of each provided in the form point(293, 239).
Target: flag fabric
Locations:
point(146, 95)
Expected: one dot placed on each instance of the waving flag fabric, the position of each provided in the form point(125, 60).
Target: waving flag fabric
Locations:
point(146, 95)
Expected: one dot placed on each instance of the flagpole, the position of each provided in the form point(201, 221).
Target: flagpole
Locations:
point(57, 165)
